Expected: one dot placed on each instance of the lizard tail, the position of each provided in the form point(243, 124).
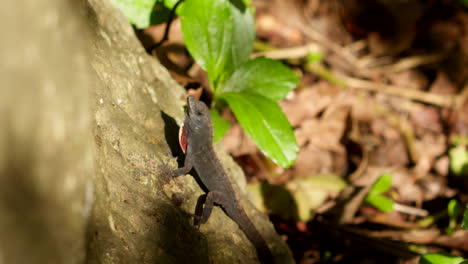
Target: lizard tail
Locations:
point(263, 251)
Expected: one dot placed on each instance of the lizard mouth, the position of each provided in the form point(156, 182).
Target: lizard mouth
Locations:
point(183, 128)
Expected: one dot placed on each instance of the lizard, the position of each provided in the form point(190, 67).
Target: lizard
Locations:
point(196, 141)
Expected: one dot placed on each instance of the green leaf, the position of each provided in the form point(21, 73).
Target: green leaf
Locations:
point(380, 202)
point(459, 160)
point(208, 27)
point(218, 35)
point(171, 3)
point(383, 184)
point(243, 39)
point(266, 124)
point(452, 208)
point(374, 197)
point(453, 212)
point(314, 57)
point(220, 125)
point(264, 77)
point(138, 12)
point(465, 219)
point(440, 258)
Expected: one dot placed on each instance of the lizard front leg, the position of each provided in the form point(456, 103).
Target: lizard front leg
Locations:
point(188, 164)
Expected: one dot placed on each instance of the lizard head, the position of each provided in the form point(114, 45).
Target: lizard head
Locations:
point(197, 112)
point(197, 123)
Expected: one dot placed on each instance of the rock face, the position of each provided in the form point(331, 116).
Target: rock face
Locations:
point(46, 188)
point(89, 131)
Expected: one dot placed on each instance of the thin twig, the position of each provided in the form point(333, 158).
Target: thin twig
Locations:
point(412, 62)
point(429, 98)
point(289, 53)
point(410, 210)
point(166, 31)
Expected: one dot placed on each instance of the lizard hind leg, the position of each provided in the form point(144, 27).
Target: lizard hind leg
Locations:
point(209, 200)
point(236, 213)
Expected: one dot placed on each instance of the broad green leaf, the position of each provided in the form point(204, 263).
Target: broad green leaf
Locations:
point(459, 160)
point(242, 39)
point(171, 3)
point(208, 28)
point(380, 202)
point(383, 184)
point(266, 124)
point(440, 258)
point(263, 76)
point(138, 12)
point(220, 125)
point(465, 219)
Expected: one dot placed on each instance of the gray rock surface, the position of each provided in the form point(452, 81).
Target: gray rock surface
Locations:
point(46, 160)
point(89, 131)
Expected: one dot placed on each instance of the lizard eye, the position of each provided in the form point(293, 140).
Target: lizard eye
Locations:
point(199, 113)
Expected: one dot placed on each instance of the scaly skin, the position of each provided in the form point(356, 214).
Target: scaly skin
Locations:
point(200, 154)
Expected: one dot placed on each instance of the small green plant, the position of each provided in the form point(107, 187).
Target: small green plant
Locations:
point(465, 218)
point(219, 34)
point(453, 212)
point(441, 258)
point(458, 155)
point(375, 197)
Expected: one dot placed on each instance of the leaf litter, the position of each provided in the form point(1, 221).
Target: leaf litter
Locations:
point(389, 95)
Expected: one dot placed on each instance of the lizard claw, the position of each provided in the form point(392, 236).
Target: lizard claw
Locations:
point(196, 220)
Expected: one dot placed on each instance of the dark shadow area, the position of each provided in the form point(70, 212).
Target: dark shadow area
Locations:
point(279, 201)
point(239, 4)
point(27, 215)
point(341, 244)
point(160, 13)
point(171, 133)
point(180, 234)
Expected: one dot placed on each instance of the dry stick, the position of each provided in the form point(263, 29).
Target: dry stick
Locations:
point(410, 210)
point(302, 22)
point(289, 53)
point(412, 62)
point(403, 64)
point(429, 98)
point(372, 64)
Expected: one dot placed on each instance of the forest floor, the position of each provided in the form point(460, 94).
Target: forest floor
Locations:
point(383, 95)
